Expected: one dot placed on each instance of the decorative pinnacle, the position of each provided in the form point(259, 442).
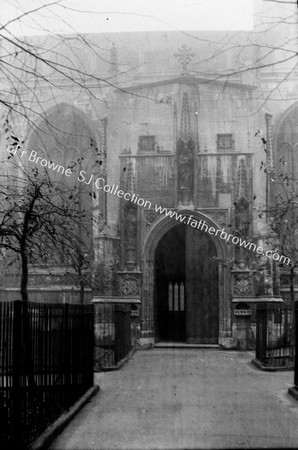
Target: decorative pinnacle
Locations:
point(184, 56)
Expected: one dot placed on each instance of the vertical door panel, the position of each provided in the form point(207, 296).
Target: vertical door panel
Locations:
point(201, 288)
point(170, 285)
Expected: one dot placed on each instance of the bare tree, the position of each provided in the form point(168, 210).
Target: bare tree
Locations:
point(41, 222)
point(61, 62)
point(36, 70)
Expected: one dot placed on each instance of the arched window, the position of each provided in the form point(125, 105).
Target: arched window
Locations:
point(65, 140)
point(287, 143)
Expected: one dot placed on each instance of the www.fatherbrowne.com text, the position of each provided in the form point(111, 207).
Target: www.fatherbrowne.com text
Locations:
point(222, 233)
point(188, 220)
point(99, 183)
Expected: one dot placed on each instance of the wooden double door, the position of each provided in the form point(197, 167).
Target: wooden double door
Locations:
point(186, 287)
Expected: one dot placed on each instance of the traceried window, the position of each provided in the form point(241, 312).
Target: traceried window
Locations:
point(64, 140)
point(146, 144)
point(287, 143)
point(225, 143)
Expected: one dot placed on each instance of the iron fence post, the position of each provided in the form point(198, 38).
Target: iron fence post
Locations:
point(122, 331)
point(261, 332)
point(296, 345)
point(17, 428)
point(67, 356)
point(91, 346)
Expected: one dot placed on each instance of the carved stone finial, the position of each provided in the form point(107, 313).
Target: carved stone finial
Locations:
point(242, 183)
point(185, 131)
point(184, 56)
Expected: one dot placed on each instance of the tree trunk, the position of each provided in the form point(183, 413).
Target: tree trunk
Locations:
point(82, 284)
point(82, 292)
point(28, 358)
point(292, 284)
point(24, 276)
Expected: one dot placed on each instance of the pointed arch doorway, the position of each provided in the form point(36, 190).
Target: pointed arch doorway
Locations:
point(186, 289)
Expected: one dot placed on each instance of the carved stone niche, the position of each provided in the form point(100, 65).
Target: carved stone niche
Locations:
point(149, 218)
point(129, 284)
point(185, 157)
point(130, 234)
point(243, 283)
point(219, 216)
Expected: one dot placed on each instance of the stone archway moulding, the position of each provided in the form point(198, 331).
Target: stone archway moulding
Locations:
point(150, 244)
point(75, 110)
point(95, 134)
point(281, 120)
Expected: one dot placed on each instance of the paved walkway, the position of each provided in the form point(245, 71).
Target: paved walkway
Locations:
point(186, 399)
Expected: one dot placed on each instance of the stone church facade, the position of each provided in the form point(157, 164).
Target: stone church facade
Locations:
point(183, 141)
point(187, 156)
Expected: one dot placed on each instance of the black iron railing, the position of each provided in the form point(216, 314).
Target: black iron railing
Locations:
point(112, 334)
point(275, 336)
point(296, 344)
point(46, 364)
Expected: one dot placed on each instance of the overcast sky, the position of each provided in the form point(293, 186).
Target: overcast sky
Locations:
point(127, 15)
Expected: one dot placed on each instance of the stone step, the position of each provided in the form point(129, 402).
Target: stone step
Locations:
point(184, 345)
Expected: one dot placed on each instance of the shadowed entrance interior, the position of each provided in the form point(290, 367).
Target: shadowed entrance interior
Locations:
point(186, 287)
